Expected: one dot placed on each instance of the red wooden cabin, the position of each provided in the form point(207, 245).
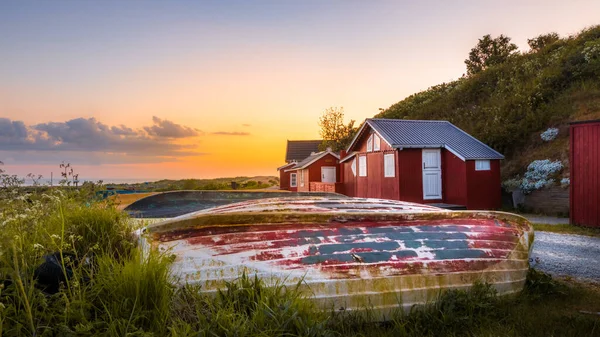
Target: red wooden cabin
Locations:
point(296, 151)
point(585, 173)
point(319, 172)
point(431, 162)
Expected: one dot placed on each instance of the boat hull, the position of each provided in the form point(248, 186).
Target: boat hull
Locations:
point(350, 254)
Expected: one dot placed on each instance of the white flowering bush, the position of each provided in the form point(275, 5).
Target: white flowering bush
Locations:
point(549, 134)
point(591, 51)
point(565, 181)
point(539, 174)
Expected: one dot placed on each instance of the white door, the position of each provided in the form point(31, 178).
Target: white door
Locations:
point(432, 174)
point(328, 174)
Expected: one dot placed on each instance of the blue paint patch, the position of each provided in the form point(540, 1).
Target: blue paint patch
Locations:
point(412, 244)
point(341, 247)
point(366, 257)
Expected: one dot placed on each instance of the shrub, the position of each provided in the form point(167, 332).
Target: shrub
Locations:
point(539, 174)
point(549, 135)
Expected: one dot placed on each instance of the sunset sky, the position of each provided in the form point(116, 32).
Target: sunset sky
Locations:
point(202, 89)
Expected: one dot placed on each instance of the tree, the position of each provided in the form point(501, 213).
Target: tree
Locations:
point(334, 132)
point(540, 42)
point(489, 52)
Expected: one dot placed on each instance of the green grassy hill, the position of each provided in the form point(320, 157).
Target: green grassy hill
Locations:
point(507, 106)
point(244, 183)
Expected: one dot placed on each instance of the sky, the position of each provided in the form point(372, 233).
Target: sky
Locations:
point(204, 89)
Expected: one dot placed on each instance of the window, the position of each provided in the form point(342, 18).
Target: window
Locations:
point(301, 178)
point(362, 166)
point(482, 165)
point(376, 142)
point(293, 181)
point(353, 166)
point(370, 144)
point(389, 170)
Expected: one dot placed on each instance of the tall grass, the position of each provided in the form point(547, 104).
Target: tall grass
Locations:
point(115, 290)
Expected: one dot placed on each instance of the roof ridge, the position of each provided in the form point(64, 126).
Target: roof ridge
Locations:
point(410, 120)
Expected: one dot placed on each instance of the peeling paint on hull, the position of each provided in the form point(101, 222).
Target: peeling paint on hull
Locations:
point(349, 253)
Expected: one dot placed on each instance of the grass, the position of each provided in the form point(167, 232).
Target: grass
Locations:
point(122, 292)
point(567, 229)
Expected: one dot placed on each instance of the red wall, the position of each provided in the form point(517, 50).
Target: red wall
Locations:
point(284, 179)
point(454, 179)
point(585, 174)
point(483, 187)
point(374, 185)
point(349, 179)
point(410, 167)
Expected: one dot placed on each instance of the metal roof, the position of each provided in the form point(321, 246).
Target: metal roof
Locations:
point(297, 150)
point(401, 133)
point(311, 159)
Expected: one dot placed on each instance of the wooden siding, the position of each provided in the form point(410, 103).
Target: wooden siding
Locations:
point(410, 167)
point(484, 187)
point(313, 172)
point(374, 185)
point(284, 180)
point(454, 179)
point(585, 174)
point(349, 180)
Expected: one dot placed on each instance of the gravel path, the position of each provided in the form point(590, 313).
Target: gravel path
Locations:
point(577, 256)
point(550, 220)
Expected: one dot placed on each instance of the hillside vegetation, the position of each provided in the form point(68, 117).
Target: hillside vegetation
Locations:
point(242, 183)
point(508, 105)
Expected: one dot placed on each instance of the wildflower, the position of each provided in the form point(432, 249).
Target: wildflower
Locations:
point(37, 246)
point(549, 134)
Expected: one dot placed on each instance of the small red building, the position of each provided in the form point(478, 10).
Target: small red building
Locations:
point(431, 162)
point(318, 172)
point(585, 173)
point(296, 151)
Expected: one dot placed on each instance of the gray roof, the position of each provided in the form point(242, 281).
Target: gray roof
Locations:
point(400, 133)
point(297, 150)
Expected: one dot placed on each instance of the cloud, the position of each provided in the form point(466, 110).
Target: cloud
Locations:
point(226, 133)
point(90, 141)
point(246, 125)
point(168, 129)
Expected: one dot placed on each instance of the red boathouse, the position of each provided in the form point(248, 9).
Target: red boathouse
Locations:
point(318, 172)
point(431, 162)
point(296, 151)
point(585, 173)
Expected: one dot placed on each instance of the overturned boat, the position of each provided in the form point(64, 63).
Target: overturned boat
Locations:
point(349, 253)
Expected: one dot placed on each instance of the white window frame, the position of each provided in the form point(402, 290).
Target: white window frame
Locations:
point(301, 178)
point(293, 180)
point(362, 160)
point(389, 165)
point(353, 166)
point(376, 143)
point(370, 144)
point(483, 165)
